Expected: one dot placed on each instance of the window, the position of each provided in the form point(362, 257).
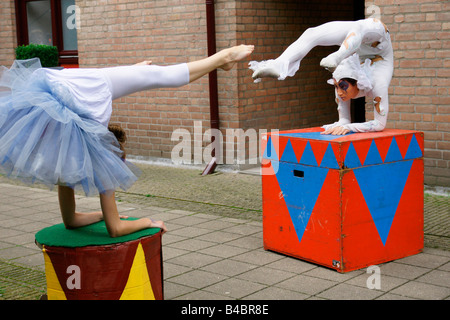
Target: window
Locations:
point(51, 22)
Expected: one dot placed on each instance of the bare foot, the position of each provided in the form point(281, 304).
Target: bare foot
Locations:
point(235, 54)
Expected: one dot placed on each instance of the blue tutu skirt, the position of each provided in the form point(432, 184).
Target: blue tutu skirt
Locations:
point(47, 137)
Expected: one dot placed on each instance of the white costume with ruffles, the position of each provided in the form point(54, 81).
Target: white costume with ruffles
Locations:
point(368, 38)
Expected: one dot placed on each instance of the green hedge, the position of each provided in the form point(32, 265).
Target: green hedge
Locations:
point(47, 54)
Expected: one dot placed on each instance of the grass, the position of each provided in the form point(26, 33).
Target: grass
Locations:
point(21, 283)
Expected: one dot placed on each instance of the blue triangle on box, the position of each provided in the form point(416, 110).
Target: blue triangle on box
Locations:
point(373, 155)
point(308, 156)
point(329, 159)
point(382, 188)
point(289, 154)
point(270, 152)
point(393, 153)
point(351, 158)
point(300, 193)
point(413, 149)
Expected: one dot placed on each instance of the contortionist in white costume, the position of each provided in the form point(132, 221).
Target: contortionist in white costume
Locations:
point(362, 66)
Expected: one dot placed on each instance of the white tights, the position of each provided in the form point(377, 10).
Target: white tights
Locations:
point(328, 34)
point(126, 80)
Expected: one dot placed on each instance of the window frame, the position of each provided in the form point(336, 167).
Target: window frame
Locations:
point(66, 57)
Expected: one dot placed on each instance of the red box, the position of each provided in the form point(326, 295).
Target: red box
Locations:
point(344, 202)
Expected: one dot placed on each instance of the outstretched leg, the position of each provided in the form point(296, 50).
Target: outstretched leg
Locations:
point(287, 64)
point(130, 79)
point(224, 59)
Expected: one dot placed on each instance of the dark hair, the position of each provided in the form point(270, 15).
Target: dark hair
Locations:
point(350, 80)
point(120, 135)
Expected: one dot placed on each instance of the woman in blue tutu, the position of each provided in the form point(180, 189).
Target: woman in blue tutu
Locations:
point(54, 129)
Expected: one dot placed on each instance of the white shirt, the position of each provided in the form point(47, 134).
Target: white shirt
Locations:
point(89, 89)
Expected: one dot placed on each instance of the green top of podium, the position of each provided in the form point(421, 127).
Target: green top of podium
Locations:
point(92, 235)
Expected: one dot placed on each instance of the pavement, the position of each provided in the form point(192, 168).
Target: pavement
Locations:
point(214, 247)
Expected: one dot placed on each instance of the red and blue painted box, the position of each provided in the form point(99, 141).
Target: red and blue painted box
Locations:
point(344, 202)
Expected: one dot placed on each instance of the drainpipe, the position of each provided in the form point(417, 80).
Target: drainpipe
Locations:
point(213, 91)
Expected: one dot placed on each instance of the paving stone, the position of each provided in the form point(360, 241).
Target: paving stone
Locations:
point(258, 257)
point(274, 293)
point(265, 275)
point(419, 290)
point(345, 291)
point(228, 267)
point(403, 271)
point(198, 278)
point(192, 244)
point(424, 260)
point(306, 285)
point(387, 283)
point(235, 288)
point(194, 260)
point(437, 277)
point(219, 237)
point(223, 251)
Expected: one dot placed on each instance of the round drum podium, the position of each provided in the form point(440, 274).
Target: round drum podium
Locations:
point(87, 264)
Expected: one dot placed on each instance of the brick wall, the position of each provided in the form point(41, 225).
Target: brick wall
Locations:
point(8, 39)
point(419, 93)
